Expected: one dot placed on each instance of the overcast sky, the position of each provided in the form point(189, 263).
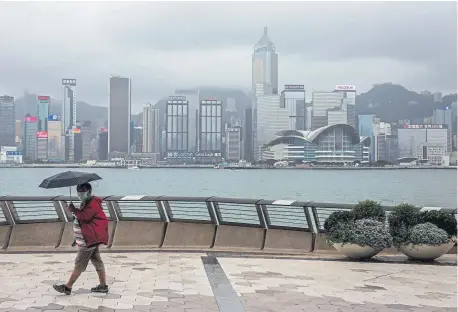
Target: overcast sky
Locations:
point(163, 46)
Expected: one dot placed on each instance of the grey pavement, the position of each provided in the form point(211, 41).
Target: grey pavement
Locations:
point(196, 282)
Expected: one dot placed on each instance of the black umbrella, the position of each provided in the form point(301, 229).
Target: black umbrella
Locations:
point(68, 179)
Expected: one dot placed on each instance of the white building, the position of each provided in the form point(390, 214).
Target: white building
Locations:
point(270, 119)
point(151, 137)
point(10, 154)
point(334, 107)
point(427, 143)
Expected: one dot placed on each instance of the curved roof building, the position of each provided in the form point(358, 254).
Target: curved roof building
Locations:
point(330, 144)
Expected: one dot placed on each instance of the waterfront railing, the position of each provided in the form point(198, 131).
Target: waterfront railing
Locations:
point(150, 222)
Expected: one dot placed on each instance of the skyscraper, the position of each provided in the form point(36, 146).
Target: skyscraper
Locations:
point(102, 149)
point(444, 117)
point(268, 115)
point(42, 126)
point(43, 112)
point(68, 117)
point(7, 121)
point(151, 135)
point(248, 135)
point(54, 137)
point(211, 126)
point(119, 115)
point(192, 96)
point(293, 99)
point(176, 125)
point(334, 107)
point(86, 139)
point(30, 137)
point(265, 65)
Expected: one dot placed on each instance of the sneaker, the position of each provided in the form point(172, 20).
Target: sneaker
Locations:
point(100, 289)
point(62, 289)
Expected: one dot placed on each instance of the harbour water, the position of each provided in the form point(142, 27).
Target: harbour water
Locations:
point(427, 187)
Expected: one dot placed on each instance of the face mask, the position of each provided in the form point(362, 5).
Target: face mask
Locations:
point(82, 195)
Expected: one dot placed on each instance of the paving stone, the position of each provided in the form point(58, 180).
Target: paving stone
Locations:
point(168, 282)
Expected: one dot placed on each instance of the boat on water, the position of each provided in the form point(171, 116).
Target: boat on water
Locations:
point(133, 168)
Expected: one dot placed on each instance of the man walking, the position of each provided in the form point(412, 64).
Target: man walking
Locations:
point(91, 229)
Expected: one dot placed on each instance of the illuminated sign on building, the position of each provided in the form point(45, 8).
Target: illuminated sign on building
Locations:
point(76, 130)
point(345, 88)
point(13, 153)
point(53, 117)
point(69, 82)
point(103, 130)
point(30, 119)
point(44, 98)
point(406, 126)
point(42, 135)
point(294, 87)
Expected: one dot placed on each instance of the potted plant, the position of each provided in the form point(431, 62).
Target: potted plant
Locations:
point(422, 235)
point(360, 233)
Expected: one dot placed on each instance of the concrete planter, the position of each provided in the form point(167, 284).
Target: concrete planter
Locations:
point(426, 252)
point(354, 251)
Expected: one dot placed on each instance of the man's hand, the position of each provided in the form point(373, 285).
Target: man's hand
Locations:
point(71, 206)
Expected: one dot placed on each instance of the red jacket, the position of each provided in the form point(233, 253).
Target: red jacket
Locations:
point(93, 221)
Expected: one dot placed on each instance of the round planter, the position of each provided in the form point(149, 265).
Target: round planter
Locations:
point(426, 252)
point(354, 251)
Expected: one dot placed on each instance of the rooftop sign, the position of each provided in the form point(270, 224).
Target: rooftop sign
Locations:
point(345, 88)
point(294, 87)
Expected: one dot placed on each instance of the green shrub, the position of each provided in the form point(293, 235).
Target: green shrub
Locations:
point(400, 220)
point(365, 232)
point(442, 220)
point(428, 234)
point(369, 209)
point(336, 219)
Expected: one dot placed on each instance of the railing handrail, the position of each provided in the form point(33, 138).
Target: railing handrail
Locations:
point(308, 216)
point(235, 200)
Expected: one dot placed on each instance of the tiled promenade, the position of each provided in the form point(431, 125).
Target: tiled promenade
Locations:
point(200, 283)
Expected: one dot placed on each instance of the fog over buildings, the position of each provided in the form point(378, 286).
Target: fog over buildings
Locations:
point(164, 46)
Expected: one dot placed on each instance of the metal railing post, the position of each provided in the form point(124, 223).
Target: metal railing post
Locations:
point(7, 213)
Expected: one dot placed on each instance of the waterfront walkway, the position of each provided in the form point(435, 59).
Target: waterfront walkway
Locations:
point(200, 282)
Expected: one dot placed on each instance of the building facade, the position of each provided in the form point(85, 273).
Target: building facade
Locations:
point(68, 117)
point(271, 118)
point(10, 155)
point(102, 140)
point(42, 144)
point(7, 121)
point(211, 126)
point(151, 131)
point(30, 137)
point(86, 139)
point(331, 145)
point(334, 107)
point(265, 64)
point(444, 117)
point(139, 134)
point(248, 135)
point(233, 144)
point(54, 137)
point(119, 116)
point(427, 143)
point(193, 98)
point(293, 99)
point(177, 126)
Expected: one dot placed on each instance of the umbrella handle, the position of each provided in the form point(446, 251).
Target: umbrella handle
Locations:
point(71, 202)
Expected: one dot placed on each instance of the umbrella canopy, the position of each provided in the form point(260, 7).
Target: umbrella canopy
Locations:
point(68, 178)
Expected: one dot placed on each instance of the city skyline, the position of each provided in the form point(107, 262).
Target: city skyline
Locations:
point(225, 51)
